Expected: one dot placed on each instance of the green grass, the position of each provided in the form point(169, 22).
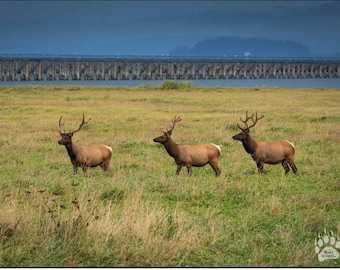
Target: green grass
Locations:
point(140, 213)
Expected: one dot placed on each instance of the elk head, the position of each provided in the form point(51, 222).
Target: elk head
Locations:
point(167, 131)
point(66, 137)
point(245, 130)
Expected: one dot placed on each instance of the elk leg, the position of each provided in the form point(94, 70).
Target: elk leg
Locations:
point(285, 166)
point(105, 166)
point(259, 166)
point(292, 165)
point(189, 169)
point(215, 168)
point(179, 168)
point(84, 167)
point(75, 168)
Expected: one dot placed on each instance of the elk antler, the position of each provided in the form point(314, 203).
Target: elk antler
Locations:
point(60, 124)
point(246, 128)
point(82, 123)
point(171, 127)
point(245, 122)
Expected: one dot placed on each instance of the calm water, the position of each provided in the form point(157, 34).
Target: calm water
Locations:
point(259, 83)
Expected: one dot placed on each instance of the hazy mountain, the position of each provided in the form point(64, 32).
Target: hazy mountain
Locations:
point(253, 47)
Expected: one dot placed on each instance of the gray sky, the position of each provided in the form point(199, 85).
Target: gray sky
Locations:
point(157, 27)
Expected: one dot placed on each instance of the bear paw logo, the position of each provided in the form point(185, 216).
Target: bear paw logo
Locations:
point(326, 246)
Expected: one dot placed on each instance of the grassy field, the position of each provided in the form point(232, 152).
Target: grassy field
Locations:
point(140, 213)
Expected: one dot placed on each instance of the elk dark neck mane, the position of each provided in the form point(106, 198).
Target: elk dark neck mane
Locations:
point(249, 145)
point(171, 148)
point(70, 150)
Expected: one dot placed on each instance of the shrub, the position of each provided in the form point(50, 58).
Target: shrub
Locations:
point(171, 84)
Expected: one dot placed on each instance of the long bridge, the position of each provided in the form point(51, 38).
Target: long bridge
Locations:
point(73, 67)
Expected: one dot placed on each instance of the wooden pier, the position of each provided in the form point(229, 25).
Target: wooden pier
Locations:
point(162, 68)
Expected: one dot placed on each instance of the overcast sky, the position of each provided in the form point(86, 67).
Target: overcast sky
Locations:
point(157, 27)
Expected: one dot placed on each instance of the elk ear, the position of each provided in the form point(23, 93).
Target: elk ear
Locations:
point(169, 132)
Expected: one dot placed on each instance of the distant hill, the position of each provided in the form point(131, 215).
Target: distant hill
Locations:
point(253, 47)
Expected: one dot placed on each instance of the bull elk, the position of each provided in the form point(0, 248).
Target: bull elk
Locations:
point(189, 155)
point(85, 156)
point(264, 151)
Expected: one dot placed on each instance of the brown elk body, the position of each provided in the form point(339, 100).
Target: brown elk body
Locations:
point(190, 155)
point(85, 156)
point(264, 151)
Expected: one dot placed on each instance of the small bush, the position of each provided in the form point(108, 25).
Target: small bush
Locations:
point(170, 84)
